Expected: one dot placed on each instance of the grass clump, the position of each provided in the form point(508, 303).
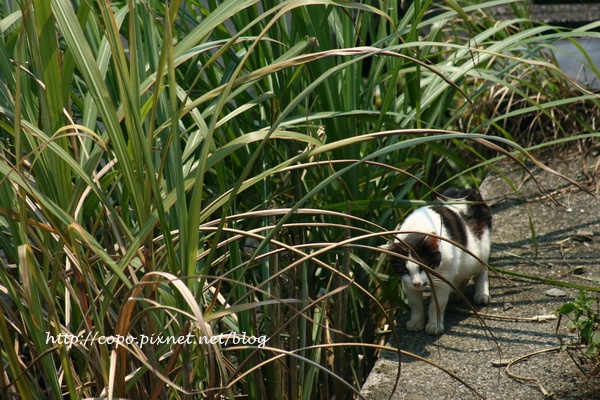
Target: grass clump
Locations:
point(583, 315)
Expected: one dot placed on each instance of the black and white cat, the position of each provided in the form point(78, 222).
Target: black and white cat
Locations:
point(468, 224)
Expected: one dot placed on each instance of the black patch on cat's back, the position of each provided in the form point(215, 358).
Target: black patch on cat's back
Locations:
point(478, 216)
point(453, 224)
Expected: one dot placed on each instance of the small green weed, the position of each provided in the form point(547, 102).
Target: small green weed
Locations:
point(585, 314)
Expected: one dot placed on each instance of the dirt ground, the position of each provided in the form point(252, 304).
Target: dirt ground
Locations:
point(565, 247)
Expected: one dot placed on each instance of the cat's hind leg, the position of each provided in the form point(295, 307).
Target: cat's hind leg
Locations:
point(482, 287)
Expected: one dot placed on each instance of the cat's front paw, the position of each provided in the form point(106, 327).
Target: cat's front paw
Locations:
point(434, 328)
point(482, 299)
point(415, 324)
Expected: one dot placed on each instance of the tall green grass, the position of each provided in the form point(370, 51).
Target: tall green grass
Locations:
point(212, 168)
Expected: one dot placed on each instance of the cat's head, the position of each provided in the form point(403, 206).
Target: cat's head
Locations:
point(419, 247)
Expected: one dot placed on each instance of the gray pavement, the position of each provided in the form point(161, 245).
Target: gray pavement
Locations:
point(475, 353)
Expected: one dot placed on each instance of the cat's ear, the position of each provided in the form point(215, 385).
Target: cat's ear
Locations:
point(432, 242)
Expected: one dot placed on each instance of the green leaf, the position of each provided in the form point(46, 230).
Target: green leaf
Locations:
point(567, 308)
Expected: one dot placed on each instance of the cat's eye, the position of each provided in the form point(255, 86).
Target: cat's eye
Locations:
point(399, 266)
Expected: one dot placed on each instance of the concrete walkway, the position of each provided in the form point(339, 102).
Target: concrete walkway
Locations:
point(568, 240)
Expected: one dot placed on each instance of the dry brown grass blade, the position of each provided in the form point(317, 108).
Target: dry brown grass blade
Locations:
point(126, 313)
